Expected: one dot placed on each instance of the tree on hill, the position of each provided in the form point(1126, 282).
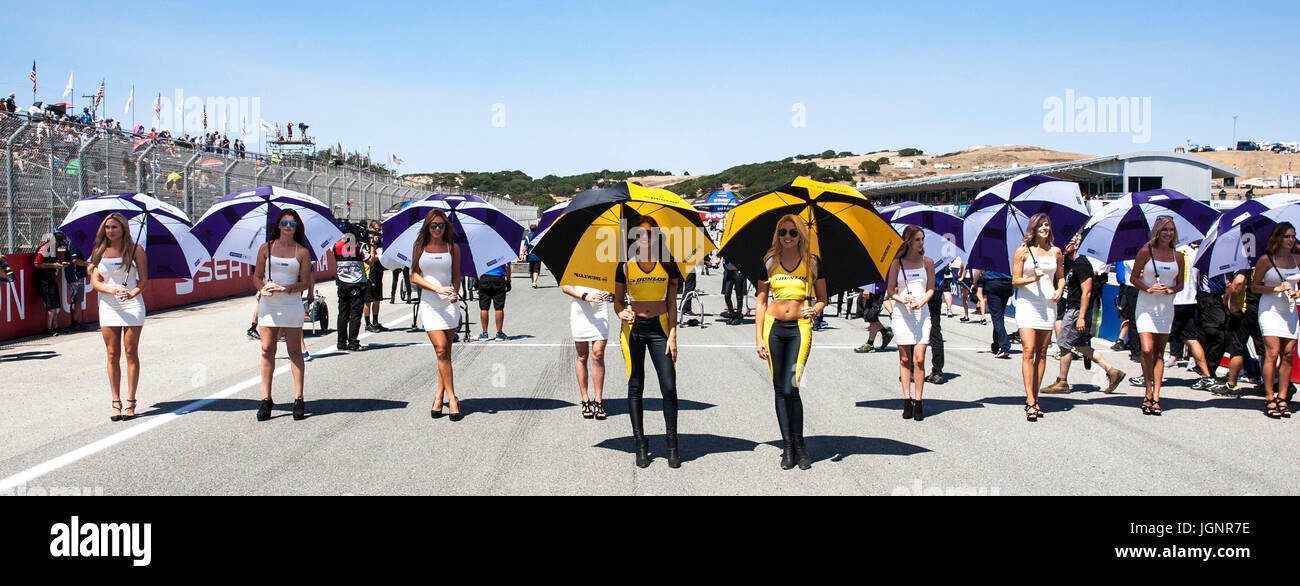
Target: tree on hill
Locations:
point(882, 161)
point(910, 152)
point(871, 167)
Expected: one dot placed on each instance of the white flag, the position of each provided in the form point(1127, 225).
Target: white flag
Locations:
point(68, 90)
point(243, 127)
point(129, 98)
point(267, 126)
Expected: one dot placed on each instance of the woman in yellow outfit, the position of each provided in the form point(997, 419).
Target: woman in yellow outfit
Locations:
point(649, 321)
point(783, 332)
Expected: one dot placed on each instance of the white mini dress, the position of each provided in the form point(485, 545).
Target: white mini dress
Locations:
point(911, 326)
point(589, 320)
point(282, 309)
point(1035, 309)
point(114, 313)
point(1277, 311)
point(437, 312)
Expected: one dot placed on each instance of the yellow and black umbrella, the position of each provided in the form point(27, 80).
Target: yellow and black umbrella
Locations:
point(585, 245)
point(855, 244)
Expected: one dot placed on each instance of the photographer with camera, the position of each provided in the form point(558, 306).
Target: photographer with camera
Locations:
point(374, 278)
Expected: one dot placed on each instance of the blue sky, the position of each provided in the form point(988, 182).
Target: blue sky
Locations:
point(679, 86)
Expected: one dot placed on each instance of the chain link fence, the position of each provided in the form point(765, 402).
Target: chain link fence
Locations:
point(45, 166)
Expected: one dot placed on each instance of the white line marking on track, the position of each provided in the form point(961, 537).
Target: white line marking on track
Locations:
point(153, 422)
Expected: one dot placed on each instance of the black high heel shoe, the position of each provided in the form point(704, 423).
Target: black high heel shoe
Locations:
point(642, 453)
point(907, 408)
point(801, 450)
point(117, 406)
point(917, 413)
point(788, 456)
point(264, 410)
point(299, 409)
point(674, 458)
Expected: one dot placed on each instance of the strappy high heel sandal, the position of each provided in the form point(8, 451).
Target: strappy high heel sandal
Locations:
point(117, 406)
point(599, 410)
point(1146, 406)
point(1283, 408)
point(1271, 410)
point(587, 413)
point(1030, 413)
point(1155, 408)
point(126, 417)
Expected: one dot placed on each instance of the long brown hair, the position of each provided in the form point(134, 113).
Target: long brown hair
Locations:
point(299, 233)
point(1157, 227)
point(423, 238)
point(655, 238)
point(1031, 235)
point(804, 245)
point(128, 244)
point(1275, 239)
point(908, 233)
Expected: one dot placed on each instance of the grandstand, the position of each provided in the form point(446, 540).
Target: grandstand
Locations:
point(46, 165)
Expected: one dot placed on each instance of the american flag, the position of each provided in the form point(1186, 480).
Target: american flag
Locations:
point(396, 161)
point(33, 77)
point(157, 108)
point(99, 95)
point(205, 118)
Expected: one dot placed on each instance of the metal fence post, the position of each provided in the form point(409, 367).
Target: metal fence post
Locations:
point(9, 184)
point(348, 192)
point(139, 169)
point(189, 187)
point(81, 172)
point(284, 181)
point(329, 192)
point(225, 176)
point(307, 186)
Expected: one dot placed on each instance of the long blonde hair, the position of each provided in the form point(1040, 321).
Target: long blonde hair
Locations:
point(128, 244)
point(422, 239)
point(1031, 235)
point(804, 245)
point(908, 233)
point(1157, 227)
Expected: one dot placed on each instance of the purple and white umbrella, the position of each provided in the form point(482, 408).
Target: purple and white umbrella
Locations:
point(162, 229)
point(1123, 226)
point(996, 221)
point(488, 238)
point(943, 231)
point(549, 216)
point(1239, 236)
point(236, 226)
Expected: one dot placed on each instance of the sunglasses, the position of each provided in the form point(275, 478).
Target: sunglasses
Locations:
point(288, 223)
point(437, 224)
point(784, 232)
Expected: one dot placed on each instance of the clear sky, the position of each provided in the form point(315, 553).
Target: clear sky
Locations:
point(678, 86)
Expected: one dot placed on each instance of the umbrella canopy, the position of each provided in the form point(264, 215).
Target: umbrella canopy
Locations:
point(855, 243)
point(719, 201)
point(996, 221)
point(1123, 227)
point(161, 228)
point(1239, 236)
point(488, 238)
point(551, 214)
point(139, 143)
point(585, 245)
point(943, 231)
point(237, 224)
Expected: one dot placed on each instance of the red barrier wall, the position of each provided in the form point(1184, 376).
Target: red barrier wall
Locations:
point(23, 314)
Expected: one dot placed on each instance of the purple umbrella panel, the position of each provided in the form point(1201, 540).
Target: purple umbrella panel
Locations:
point(1123, 226)
point(995, 223)
point(162, 229)
point(236, 226)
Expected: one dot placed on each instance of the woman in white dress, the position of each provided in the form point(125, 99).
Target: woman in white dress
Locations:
point(1277, 280)
point(119, 273)
point(911, 285)
point(1038, 274)
point(589, 323)
point(1158, 275)
point(435, 269)
point(282, 272)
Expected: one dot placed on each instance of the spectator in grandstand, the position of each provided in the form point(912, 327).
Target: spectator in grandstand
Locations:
point(225, 145)
point(174, 182)
point(48, 263)
point(9, 104)
point(128, 166)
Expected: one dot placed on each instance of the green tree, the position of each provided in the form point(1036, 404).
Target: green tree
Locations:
point(882, 161)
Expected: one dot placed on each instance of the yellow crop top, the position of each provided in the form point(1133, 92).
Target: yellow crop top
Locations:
point(796, 284)
point(647, 286)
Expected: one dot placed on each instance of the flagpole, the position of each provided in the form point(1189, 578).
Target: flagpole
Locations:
point(132, 98)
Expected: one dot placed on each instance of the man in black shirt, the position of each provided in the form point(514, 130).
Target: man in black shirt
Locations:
point(48, 263)
point(349, 256)
point(1243, 323)
point(1076, 323)
point(75, 275)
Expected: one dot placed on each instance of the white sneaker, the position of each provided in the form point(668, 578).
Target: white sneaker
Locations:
point(306, 356)
point(1170, 362)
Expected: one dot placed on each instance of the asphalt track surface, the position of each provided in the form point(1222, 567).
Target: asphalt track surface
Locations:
point(368, 429)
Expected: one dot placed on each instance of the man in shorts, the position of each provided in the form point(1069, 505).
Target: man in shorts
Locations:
point(1243, 327)
point(49, 264)
point(873, 297)
point(492, 288)
point(1081, 298)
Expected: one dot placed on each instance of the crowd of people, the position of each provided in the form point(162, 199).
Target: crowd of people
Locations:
point(1054, 292)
